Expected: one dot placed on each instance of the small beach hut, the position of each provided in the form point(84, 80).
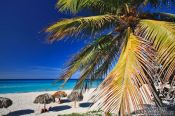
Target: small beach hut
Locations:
point(5, 102)
point(44, 99)
point(59, 94)
point(75, 96)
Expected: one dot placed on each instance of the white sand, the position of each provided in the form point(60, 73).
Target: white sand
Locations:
point(23, 105)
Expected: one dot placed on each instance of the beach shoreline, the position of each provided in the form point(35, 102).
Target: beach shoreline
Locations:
point(23, 104)
point(43, 91)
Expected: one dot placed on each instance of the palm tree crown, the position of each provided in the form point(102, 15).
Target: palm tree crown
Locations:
point(137, 50)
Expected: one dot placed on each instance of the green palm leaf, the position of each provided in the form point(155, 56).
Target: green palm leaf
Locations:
point(68, 27)
point(99, 66)
point(74, 5)
point(101, 6)
point(167, 16)
point(106, 6)
point(94, 61)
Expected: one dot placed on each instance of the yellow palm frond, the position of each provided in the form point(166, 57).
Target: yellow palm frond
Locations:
point(162, 35)
point(75, 25)
point(123, 90)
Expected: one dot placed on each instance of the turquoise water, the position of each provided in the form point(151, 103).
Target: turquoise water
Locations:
point(20, 86)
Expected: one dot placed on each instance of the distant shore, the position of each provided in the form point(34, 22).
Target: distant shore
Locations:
point(23, 104)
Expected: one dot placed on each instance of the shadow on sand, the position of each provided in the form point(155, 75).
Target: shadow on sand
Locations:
point(65, 101)
point(59, 108)
point(20, 112)
point(86, 104)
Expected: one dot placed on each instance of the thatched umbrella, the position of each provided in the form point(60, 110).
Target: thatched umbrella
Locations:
point(44, 99)
point(5, 102)
point(59, 94)
point(75, 96)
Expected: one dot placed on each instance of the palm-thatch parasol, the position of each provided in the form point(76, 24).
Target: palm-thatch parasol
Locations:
point(5, 102)
point(44, 99)
point(75, 96)
point(59, 94)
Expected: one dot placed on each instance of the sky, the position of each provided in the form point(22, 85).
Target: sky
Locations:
point(24, 52)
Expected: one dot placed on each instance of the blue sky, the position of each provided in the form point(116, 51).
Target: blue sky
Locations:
point(24, 52)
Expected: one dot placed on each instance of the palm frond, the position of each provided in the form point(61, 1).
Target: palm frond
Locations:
point(74, 5)
point(102, 63)
point(161, 16)
point(100, 6)
point(154, 3)
point(157, 3)
point(91, 60)
point(106, 6)
point(74, 26)
point(162, 35)
point(166, 16)
point(123, 90)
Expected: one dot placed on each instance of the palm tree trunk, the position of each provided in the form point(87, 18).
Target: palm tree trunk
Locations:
point(156, 95)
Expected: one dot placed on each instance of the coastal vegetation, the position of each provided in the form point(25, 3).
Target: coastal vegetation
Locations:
point(90, 113)
point(131, 48)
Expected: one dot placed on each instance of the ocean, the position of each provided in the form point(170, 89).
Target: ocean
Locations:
point(37, 85)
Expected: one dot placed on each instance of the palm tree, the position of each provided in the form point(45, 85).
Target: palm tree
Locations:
point(127, 47)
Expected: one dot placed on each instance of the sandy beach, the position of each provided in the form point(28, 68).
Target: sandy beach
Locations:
point(23, 105)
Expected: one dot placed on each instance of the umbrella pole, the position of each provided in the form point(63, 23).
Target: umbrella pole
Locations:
point(59, 100)
point(44, 106)
point(74, 104)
